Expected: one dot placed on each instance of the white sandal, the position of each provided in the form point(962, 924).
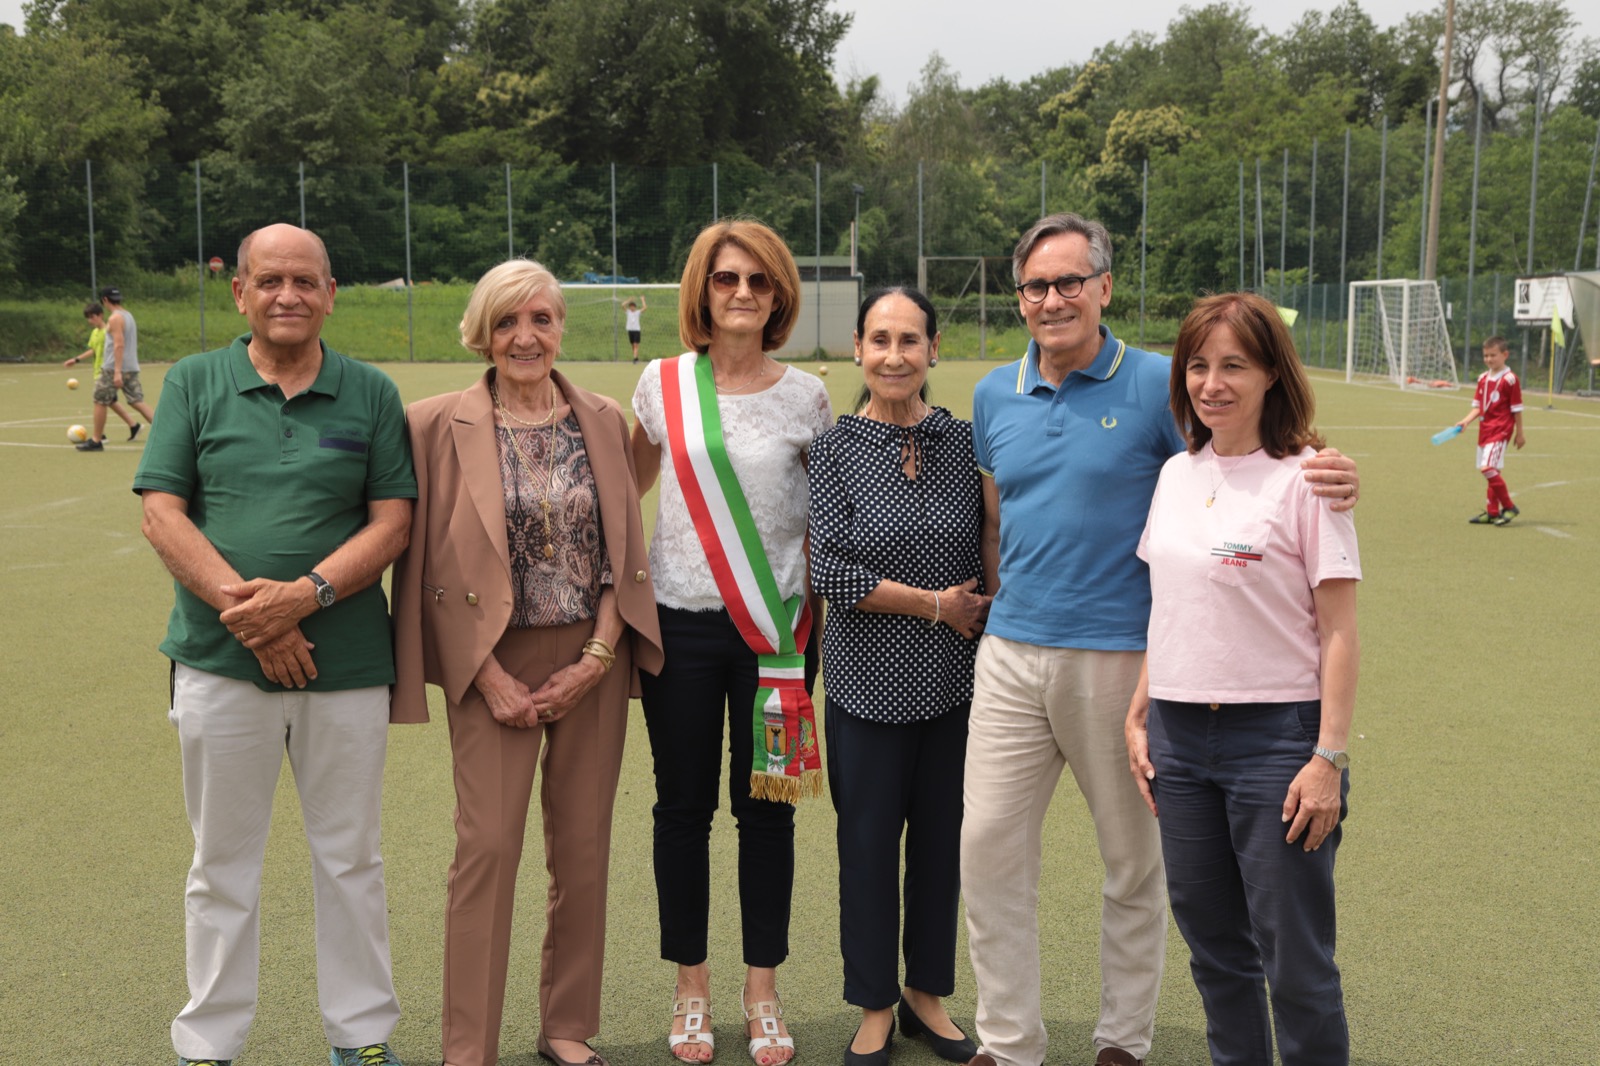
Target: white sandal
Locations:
point(696, 1014)
point(767, 1012)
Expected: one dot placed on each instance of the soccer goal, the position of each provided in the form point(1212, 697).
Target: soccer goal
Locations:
point(1396, 330)
point(596, 327)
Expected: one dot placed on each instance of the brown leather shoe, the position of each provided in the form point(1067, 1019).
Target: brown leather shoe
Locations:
point(982, 1059)
point(1115, 1056)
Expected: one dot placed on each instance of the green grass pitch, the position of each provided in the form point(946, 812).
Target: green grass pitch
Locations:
point(1469, 887)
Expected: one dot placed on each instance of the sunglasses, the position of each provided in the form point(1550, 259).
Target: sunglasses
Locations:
point(728, 281)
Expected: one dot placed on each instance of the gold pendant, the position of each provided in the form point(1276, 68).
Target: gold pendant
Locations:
point(549, 550)
point(1210, 500)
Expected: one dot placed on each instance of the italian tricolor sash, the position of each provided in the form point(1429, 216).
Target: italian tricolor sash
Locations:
point(787, 764)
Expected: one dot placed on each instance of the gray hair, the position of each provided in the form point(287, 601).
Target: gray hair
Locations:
point(1064, 222)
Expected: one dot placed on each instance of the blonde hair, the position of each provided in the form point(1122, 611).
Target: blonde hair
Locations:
point(505, 287)
point(767, 249)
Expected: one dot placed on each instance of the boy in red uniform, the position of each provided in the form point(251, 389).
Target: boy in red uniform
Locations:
point(1498, 402)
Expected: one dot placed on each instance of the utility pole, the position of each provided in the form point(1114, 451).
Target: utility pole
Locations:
point(1430, 264)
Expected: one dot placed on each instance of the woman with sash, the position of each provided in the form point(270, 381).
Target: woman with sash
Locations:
point(896, 521)
point(728, 429)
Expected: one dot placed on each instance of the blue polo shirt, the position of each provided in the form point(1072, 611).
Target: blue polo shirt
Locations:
point(276, 484)
point(1075, 467)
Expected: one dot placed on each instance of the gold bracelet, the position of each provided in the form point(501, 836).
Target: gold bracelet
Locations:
point(600, 650)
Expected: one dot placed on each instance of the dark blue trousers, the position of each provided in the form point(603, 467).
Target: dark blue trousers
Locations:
point(889, 779)
point(1256, 911)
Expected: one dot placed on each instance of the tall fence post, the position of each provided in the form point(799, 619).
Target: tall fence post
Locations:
point(1427, 160)
point(715, 214)
point(1241, 225)
point(1533, 191)
point(616, 268)
point(1311, 243)
point(1344, 225)
point(919, 212)
point(1144, 233)
point(1383, 188)
point(1261, 255)
point(1472, 236)
point(1283, 230)
point(200, 252)
point(411, 321)
point(511, 242)
point(88, 196)
point(302, 194)
point(819, 254)
point(1044, 170)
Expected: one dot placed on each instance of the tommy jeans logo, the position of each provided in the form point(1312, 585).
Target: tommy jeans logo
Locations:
point(1234, 554)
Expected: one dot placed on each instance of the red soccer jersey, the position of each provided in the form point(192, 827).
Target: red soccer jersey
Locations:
point(1499, 398)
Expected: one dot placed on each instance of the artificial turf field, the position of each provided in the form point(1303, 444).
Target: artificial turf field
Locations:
point(1469, 886)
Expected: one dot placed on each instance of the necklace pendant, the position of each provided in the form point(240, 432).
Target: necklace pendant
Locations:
point(1210, 500)
point(549, 550)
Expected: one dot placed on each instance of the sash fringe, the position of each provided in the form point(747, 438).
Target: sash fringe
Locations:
point(781, 788)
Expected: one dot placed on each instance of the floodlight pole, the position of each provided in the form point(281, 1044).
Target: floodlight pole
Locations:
point(1430, 262)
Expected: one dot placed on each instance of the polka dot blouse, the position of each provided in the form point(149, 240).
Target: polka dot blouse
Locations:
point(870, 522)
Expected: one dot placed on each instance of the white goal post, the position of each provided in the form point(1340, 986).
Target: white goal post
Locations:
point(1396, 330)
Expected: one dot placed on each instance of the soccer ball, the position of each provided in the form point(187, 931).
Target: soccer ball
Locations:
point(77, 434)
point(72, 383)
point(823, 370)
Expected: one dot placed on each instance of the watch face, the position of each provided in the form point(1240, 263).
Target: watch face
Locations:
point(325, 594)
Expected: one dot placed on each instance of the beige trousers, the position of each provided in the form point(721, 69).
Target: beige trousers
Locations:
point(1034, 710)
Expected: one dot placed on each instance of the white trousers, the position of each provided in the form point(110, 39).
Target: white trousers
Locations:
point(1035, 710)
point(233, 737)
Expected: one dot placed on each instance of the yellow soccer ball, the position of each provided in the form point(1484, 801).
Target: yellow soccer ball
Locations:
point(72, 383)
point(77, 434)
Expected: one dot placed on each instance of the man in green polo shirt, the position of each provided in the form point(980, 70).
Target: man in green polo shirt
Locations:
point(277, 486)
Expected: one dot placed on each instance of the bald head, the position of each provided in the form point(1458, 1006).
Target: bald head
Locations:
point(287, 237)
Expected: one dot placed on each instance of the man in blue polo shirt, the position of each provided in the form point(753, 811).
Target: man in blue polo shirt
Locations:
point(1071, 440)
point(277, 486)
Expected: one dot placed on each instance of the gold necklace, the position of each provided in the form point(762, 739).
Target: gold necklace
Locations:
point(526, 466)
point(1218, 482)
point(761, 368)
point(549, 417)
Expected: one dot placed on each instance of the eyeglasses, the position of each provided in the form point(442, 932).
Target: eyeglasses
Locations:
point(728, 281)
point(1067, 286)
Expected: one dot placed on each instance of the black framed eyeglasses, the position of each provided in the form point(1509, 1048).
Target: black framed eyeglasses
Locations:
point(1067, 286)
point(728, 281)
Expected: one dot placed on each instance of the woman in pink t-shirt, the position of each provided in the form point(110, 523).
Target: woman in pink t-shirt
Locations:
point(1237, 732)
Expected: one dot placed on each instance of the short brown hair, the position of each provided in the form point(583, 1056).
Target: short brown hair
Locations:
point(502, 288)
point(1498, 343)
point(766, 248)
point(1289, 405)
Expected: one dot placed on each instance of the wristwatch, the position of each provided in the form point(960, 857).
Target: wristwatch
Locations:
point(325, 593)
point(1340, 759)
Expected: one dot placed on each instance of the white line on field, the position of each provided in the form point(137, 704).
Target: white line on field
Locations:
point(1563, 534)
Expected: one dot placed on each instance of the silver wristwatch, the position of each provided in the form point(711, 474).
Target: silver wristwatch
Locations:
point(1340, 759)
point(325, 592)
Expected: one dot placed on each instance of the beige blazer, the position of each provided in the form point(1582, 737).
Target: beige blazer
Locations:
point(452, 587)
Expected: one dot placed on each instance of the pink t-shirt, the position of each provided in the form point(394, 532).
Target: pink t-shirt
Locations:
point(1232, 619)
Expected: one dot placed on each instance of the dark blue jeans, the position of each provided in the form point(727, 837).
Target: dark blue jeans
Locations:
point(1256, 911)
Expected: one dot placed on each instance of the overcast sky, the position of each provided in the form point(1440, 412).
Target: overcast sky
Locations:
point(893, 38)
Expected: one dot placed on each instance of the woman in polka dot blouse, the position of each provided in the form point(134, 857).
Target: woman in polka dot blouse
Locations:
point(896, 515)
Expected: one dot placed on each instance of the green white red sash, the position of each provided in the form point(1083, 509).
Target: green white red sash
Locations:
point(787, 764)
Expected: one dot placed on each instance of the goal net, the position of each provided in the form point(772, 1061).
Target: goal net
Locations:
point(1396, 330)
point(597, 327)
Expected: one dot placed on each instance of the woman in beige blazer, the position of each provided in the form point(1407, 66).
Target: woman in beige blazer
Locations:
point(525, 595)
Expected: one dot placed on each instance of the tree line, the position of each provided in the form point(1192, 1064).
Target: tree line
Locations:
point(553, 91)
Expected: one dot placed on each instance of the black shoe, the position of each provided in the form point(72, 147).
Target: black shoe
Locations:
point(133, 431)
point(1501, 519)
point(1508, 513)
point(91, 445)
point(1484, 519)
point(869, 1058)
point(943, 1046)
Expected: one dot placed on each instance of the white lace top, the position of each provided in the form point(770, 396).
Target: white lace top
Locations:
point(768, 434)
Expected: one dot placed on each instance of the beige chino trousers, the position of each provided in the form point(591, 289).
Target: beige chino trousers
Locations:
point(1034, 710)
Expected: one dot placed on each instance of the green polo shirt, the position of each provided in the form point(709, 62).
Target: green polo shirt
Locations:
point(276, 485)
